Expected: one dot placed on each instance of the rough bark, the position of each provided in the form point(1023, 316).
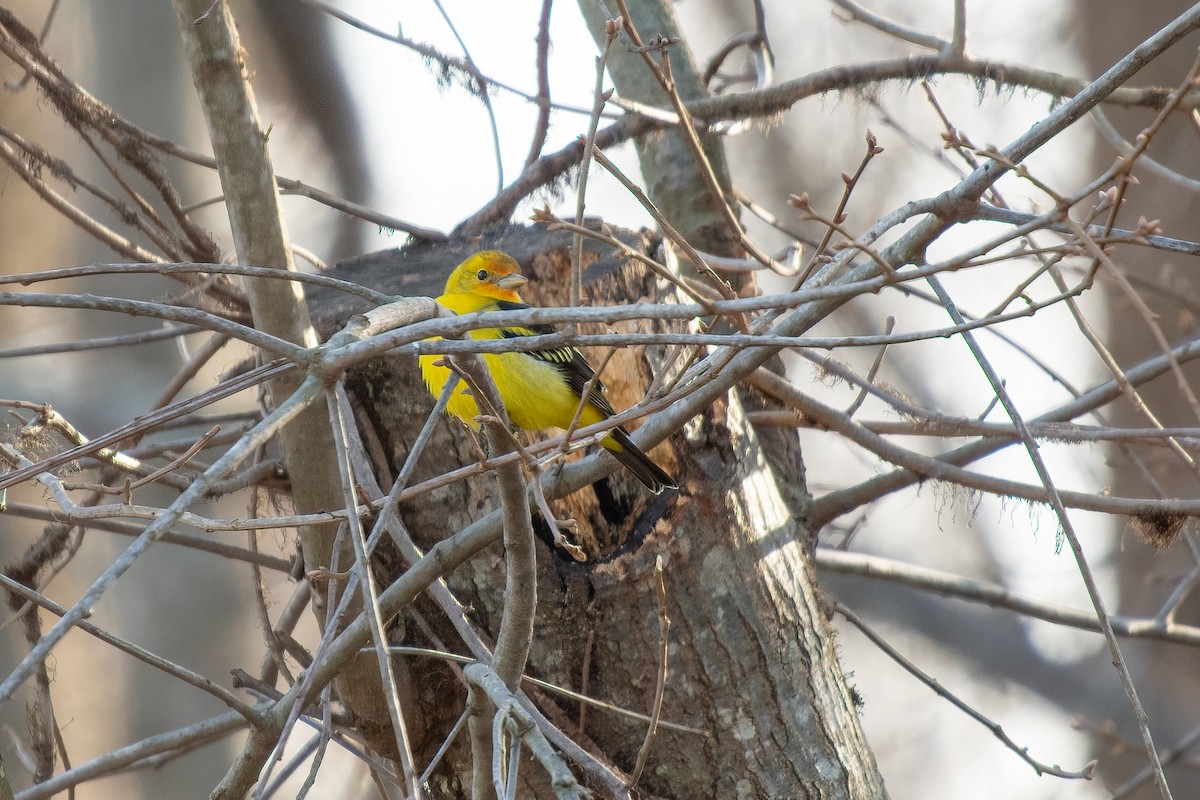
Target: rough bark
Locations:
point(752, 662)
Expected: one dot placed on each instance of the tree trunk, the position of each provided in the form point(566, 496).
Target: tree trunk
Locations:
point(752, 664)
point(671, 172)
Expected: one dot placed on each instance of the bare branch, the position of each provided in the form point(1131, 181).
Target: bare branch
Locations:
point(941, 691)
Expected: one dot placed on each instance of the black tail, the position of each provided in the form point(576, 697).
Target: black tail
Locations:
point(650, 474)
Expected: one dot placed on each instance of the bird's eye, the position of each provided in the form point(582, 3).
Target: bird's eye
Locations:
point(482, 275)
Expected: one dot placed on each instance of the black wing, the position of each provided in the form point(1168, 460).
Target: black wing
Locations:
point(570, 361)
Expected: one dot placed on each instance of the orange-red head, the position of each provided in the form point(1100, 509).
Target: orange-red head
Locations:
point(487, 275)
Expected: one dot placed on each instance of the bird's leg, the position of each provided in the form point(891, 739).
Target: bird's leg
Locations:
point(325, 574)
point(480, 443)
point(552, 522)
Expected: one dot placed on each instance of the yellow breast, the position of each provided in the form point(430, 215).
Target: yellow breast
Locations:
point(535, 393)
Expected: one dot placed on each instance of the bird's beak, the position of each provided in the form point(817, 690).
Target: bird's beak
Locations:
point(509, 282)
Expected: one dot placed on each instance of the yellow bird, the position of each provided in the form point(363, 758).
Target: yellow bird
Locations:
point(540, 389)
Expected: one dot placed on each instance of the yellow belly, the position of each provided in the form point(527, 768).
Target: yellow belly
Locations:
point(535, 393)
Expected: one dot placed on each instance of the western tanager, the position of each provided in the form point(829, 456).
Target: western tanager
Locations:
point(540, 389)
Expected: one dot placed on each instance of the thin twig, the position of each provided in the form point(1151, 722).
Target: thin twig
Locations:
point(483, 95)
point(958, 39)
point(660, 686)
point(148, 421)
point(892, 29)
point(888, 327)
point(154, 531)
point(542, 126)
point(801, 203)
point(585, 702)
point(99, 342)
point(250, 713)
point(692, 138)
point(996, 730)
point(668, 229)
point(849, 182)
point(198, 733)
point(946, 584)
point(1068, 529)
point(370, 591)
point(589, 148)
point(555, 223)
point(585, 677)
